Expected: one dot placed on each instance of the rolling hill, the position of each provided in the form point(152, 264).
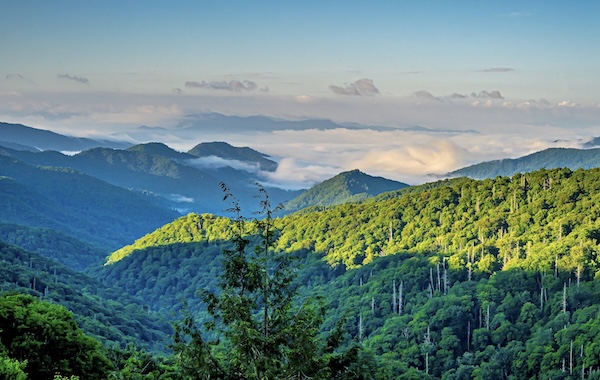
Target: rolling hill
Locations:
point(227, 152)
point(21, 136)
point(110, 315)
point(351, 186)
point(546, 159)
point(466, 277)
point(74, 254)
point(75, 204)
point(173, 179)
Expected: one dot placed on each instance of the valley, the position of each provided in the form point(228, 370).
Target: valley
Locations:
point(493, 277)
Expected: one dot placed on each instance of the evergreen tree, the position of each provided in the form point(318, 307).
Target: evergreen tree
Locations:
point(257, 330)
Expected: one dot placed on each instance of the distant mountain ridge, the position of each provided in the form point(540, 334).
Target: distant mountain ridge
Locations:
point(228, 152)
point(182, 181)
point(350, 186)
point(18, 135)
point(257, 123)
point(546, 159)
point(592, 143)
point(75, 204)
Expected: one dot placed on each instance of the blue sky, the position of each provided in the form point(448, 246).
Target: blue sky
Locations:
point(504, 68)
point(299, 47)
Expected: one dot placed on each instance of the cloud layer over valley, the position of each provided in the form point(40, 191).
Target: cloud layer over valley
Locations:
point(412, 138)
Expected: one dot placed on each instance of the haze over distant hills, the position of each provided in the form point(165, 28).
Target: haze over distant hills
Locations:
point(177, 180)
point(75, 204)
point(18, 136)
point(549, 159)
point(249, 124)
point(212, 124)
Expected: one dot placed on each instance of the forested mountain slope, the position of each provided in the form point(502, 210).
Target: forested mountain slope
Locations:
point(351, 186)
point(75, 204)
point(73, 253)
point(463, 279)
point(423, 320)
point(111, 316)
point(535, 221)
point(169, 178)
point(179, 258)
point(228, 152)
point(510, 222)
point(546, 159)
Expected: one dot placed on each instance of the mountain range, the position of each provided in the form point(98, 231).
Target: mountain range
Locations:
point(550, 158)
point(456, 279)
point(18, 136)
point(459, 266)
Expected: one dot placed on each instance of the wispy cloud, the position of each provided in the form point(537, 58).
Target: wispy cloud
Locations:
point(497, 70)
point(487, 94)
point(425, 95)
point(214, 162)
point(362, 87)
point(82, 80)
point(567, 103)
point(295, 174)
point(15, 76)
point(180, 198)
point(456, 95)
point(232, 85)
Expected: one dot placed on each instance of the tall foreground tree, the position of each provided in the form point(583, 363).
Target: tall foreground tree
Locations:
point(257, 329)
point(42, 340)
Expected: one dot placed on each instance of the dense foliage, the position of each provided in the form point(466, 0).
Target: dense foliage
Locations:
point(42, 340)
point(259, 331)
point(421, 319)
point(460, 279)
point(172, 263)
point(540, 220)
point(49, 243)
point(107, 314)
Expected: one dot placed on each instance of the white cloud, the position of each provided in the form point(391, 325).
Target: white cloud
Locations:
point(508, 128)
point(214, 162)
point(294, 174)
point(497, 70)
point(180, 198)
point(362, 87)
point(567, 103)
point(422, 94)
point(232, 85)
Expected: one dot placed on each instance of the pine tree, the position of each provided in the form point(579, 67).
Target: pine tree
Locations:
point(257, 329)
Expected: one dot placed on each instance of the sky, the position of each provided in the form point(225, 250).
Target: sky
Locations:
point(523, 74)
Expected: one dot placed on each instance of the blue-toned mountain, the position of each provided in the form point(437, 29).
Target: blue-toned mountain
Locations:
point(546, 159)
point(24, 137)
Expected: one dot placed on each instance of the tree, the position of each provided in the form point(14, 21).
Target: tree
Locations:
point(258, 329)
point(46, 338)
point(12, 369)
